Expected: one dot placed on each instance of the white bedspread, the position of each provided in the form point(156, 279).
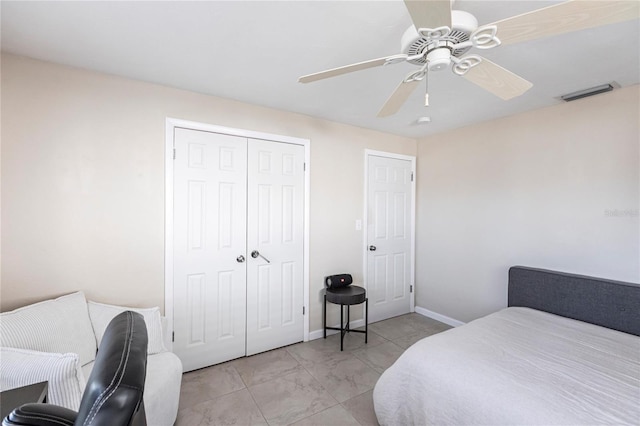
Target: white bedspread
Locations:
point(516, 366)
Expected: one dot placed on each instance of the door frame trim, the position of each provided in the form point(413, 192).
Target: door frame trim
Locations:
point(412, 159)
point(170, 126)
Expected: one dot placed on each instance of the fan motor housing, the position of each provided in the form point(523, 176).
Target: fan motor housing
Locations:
point(412, 43)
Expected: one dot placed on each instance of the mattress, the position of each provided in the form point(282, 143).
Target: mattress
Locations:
point(516, 366)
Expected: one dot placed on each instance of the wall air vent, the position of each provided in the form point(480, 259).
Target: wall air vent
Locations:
point(586, 92)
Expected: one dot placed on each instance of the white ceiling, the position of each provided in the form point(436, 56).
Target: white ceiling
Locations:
point(255, 51)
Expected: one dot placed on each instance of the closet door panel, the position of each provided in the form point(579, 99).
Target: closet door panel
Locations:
point(275, 233)
point(210, 178)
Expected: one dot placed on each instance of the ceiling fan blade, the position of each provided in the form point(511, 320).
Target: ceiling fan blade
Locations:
point(398, 98)
point(565, 17)
point(429, 13)
point(347, 69)
point(497, 80)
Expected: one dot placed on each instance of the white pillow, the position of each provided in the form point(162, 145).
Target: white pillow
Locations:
point(61, 325)
point(22, 367)
point(101, 315)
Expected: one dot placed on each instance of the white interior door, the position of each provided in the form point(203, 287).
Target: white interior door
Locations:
point(389, 236)
point(275, 230)
point(210, 181)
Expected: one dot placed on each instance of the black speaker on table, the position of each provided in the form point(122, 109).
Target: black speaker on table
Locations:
point(337, 281)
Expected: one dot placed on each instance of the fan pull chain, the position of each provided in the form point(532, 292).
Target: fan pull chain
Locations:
point(426, 94)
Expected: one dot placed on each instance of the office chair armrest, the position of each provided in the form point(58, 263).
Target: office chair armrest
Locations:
point(40, 415)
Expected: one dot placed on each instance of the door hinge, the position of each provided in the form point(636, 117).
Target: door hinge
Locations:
point(173, 336)
point(411, 176)
point(174, 153)
point(303, 310)
point(410, 289)
point(304, 166)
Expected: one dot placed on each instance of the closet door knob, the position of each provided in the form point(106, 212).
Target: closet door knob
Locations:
point(372, 248)
point(240, 259)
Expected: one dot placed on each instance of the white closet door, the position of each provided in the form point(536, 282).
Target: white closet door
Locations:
point(389, 195)
point(275, 229)
point(210, 178)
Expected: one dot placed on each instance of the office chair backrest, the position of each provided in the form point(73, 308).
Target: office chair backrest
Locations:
point(114, 391)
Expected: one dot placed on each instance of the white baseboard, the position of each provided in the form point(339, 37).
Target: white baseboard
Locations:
point(318, 334)
point(438, 317)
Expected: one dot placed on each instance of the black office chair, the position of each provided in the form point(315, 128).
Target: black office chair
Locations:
point(113, 396)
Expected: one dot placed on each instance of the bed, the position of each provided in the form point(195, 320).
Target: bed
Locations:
point(565, 351)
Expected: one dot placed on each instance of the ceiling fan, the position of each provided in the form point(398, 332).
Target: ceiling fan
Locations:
point(441, 37)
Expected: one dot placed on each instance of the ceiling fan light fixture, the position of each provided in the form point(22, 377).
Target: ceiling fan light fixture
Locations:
point(439, 59)
point(587, 92)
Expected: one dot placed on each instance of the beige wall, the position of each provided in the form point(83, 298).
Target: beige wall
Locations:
point(82, 166)
point(83, 182)
point(554, 188)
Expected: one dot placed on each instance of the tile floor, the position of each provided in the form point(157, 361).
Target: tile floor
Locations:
point(310, 383)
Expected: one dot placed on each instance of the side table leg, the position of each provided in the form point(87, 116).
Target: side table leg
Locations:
point(348, 327)
point(366, 319)
point(341, 326)
point(324, 316)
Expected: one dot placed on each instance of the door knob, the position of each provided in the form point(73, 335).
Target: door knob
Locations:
point(256, 253)
point(372, 248)
point(240, 259)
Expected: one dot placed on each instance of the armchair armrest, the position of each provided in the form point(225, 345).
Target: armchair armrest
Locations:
point(40, 415)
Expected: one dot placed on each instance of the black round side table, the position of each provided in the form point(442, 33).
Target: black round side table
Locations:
point(350, 295)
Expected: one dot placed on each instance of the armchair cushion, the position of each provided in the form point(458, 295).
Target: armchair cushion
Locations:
point(21, 367)
point(61, 325)
point(102, 314)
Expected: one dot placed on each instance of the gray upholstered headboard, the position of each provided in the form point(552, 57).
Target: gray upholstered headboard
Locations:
point(611, 304)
